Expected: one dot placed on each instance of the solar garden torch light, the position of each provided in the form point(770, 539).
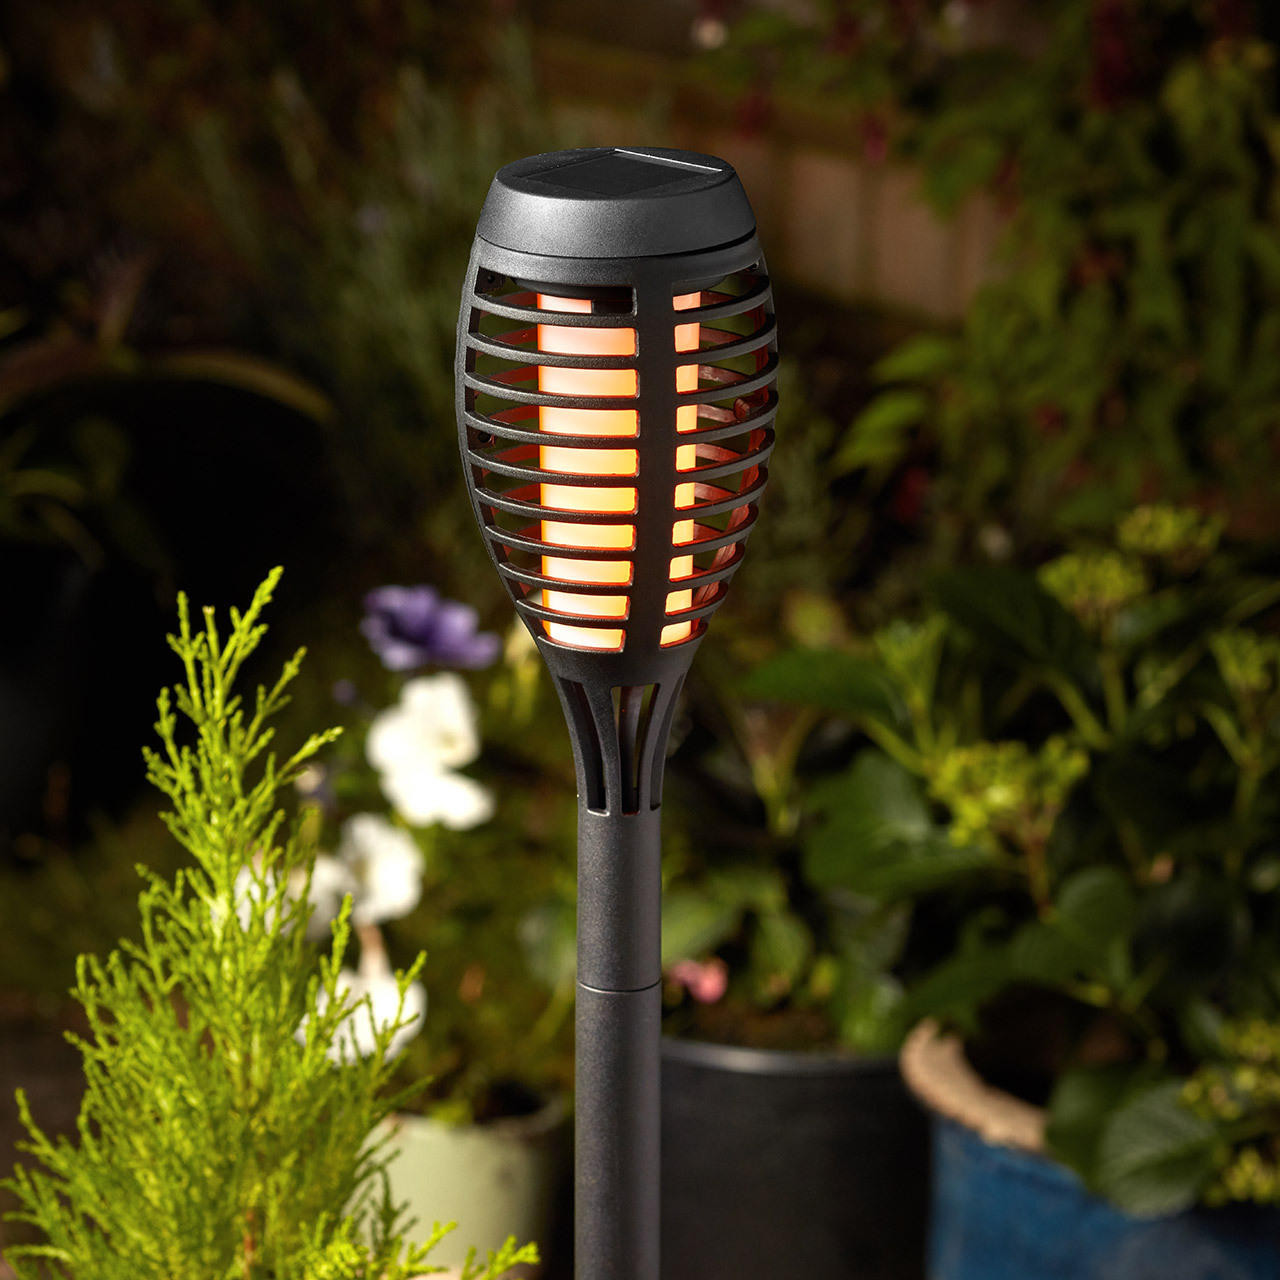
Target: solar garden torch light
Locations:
point(615, 394)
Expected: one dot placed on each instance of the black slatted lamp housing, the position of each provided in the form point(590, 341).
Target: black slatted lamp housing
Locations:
point(616, 369)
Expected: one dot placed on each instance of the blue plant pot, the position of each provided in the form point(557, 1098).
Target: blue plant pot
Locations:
point(1000, 1213)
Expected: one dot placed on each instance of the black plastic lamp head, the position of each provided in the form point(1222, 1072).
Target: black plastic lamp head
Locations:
point(615, 392)
point(615, 395)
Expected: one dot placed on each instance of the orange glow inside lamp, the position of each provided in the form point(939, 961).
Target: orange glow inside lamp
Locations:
point(615, 385)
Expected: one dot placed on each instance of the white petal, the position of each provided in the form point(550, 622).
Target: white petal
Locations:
point(386, 865)
point(249, 889)
point(433, 726)
point(331, 881)
point(357, 1033)
point(422, 798)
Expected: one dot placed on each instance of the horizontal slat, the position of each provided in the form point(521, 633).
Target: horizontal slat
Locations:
point(729, 501)
point(729, 390)
point(489, 386)
point(563, 319)
point(527, 606)
point(699, 610)
point(534, 358)
point(705, 577)
point(738, 345)
point(536, 511)
point(591, 480)
point(754, 297)
point(541, 581)
point(740, 462)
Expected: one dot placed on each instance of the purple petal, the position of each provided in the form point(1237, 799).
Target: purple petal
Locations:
point(454, 623)
point(411, 626)
point(415, 616)
point(481, 650)
point(395, 653)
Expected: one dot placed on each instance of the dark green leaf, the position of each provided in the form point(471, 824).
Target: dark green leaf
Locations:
point(918, 359)
point(829, 679)
point(695, 923)
point(1155, 1155)
point(878, 433)
point(1043, 955)
point(1083, 1102)
point(1096, 909)
point(877, 836)
point(959, 987)
point(781, 948)
point(1009, 611)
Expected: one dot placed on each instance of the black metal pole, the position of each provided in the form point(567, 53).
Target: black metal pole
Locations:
point(616, 1226)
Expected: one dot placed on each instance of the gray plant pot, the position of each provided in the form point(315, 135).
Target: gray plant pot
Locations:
point(495, 1179)
point(778, 1165)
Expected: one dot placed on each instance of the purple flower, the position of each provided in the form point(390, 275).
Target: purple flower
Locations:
point(411, 627)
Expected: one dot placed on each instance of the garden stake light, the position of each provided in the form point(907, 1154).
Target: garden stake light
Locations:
point(615, 393)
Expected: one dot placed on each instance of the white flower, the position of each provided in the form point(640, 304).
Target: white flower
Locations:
point(433, 727)
point(384, 865)
point(331, 881)
point(421, 798)
point(378, 864)
point(378, 993)
point(416, 745)
point(250, 889)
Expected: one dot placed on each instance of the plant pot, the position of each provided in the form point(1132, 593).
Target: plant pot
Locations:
point(495, 1179)
point(782, 1164)
point(1003, 1210)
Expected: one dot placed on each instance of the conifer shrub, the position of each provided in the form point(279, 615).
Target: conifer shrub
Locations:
point(227, 1129)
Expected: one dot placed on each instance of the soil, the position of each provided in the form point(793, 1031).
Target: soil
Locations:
point(1028, 1037)
point(727, 1022)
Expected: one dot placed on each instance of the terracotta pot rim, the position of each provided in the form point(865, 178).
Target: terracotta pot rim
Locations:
point(939, 1073)
point(553, 1113)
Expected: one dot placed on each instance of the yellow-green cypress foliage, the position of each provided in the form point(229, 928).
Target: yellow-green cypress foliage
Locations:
point(222, 1134)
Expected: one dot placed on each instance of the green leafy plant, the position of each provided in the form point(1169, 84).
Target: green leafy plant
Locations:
point(227, 1126)
point(1122, 349)
point(1070, 779)
point(755, 951)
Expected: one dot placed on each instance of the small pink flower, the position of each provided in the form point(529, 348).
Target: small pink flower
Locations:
point(705, 980)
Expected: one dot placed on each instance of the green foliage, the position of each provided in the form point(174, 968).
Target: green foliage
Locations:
point(1155, 1155)
point(223, 1131)
point(1123, 346)
point(1081, 780)
point(877, 834)
point(1238, 1096)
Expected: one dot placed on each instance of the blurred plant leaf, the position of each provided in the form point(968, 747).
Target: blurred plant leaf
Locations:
point(1082, 1103)
point(249, 373)
point(1155, 1155)
point(829, 679)
point(924, 356)
point(877, 835)
point(694, 923)
point(781, 948)
point(548, 934)
point(878, 434)
point(1096, 909)
point(1009, 611)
